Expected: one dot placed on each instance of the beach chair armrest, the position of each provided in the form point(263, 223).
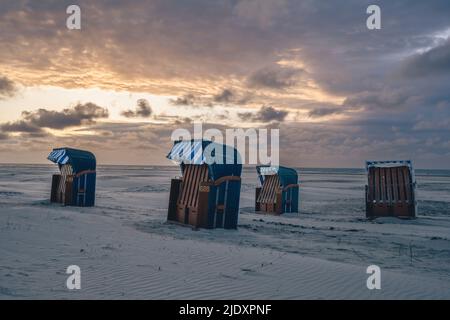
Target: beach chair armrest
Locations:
point(226, 178)
point(293, 185)
point(84, 172)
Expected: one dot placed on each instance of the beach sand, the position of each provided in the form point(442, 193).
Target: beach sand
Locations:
point(125, 248)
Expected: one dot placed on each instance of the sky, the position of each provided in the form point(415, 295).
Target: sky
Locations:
point(137, 70)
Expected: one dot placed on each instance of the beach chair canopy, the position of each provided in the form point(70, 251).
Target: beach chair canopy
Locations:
point(222, 160)
point(388, 164)
point(287, 176)
point(79, 160)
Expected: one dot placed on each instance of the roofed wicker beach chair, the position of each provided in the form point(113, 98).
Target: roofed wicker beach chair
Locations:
point(75, 185)
point(279, 190)
point(390, 189)
point(207, 195)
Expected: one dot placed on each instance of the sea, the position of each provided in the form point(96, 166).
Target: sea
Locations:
point(336, 191)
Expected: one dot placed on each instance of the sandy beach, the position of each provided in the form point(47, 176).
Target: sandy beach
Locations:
point(126, 249)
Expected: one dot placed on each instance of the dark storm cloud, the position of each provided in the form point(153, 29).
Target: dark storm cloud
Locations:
point(184, 120)
point(70, 117)
point(265, 114)
point(203, 100)
point(386, 98)
point(224, 97)
point(186, 100)
point(435, 61)
point(34, 121)
point(268, 113)
point(143, 110)
point(323, 112)
point(231, 96)
point(20, 126)
point(274, 78)
point(7, 87)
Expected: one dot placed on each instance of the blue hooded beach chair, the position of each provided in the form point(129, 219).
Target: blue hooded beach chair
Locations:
point(207, 195)
point(279, 190)
point(75, 185)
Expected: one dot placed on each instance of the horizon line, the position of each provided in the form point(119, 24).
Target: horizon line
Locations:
point(169, 165)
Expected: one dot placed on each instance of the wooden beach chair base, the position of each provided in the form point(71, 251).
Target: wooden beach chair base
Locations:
point(268, 197)
point(191, 202)
point(188, 201)
point(61, 191)
point(390, 193)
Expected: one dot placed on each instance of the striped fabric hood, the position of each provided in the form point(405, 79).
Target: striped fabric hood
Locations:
point(203, 152)
point(80, 160)
point(222, 160)
point(286, 175)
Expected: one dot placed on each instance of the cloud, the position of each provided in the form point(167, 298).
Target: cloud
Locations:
point(7, 88)
point(337, 144)
point(196, 100)
point(231, 39)
point(427, 125)
point(275, 78)
point(184, 120)
point(185, 100)
point(34, 121)
point(231, 96)
point(285, 53)
point(435, 61)
point(20, 126)
point(143, 110)
point(225, 96)
point(265, 114)
point(262, 13)
point(268, 113)
point(81, 114)
point(386, 98)
point(323, 112)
